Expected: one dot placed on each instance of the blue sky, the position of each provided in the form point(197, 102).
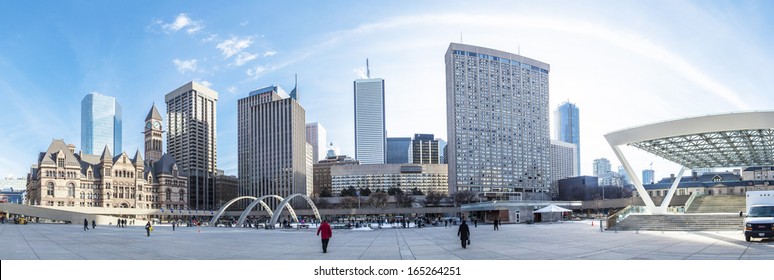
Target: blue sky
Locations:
point(624, 63)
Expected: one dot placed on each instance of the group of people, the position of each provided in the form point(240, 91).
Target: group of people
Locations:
point(86, 224)
point(121, 223)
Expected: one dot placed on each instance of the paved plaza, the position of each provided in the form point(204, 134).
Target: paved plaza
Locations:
point(558, 241)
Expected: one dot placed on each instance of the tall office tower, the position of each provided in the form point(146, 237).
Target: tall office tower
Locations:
point(316, 136)
point(100, 124)
point(563, 163)
point(648, 176)
point(191, 140)
point(271, 145)
point(370, 130)
point(497, 121)
point(153, 135)
point(425, 149)
point(567, 122)
point(398, 150)
point(601, 166)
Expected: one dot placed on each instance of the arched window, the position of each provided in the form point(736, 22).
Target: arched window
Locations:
point(169, 194)
point(83, 195)
point(182, 195)
point(50, 189)
point(70, 190)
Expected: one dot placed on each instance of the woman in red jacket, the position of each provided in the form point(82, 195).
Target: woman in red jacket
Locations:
point(325, 228)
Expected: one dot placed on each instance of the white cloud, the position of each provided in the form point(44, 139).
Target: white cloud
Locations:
point(255, 72)
point(210, 38)
point(234, 45)
point(185, 65)
point(246, 22)
point(232, 89)
point(244, 57)
point(182, 21)
point(206, 83)
point(269, 53)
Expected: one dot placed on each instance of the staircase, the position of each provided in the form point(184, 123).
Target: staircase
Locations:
point(717, 204)
point(687, 222)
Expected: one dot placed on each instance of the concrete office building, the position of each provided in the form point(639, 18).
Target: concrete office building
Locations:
point(399, 150)
point(370, 130)
point(192, 140)
point(317, 137)
point(322, 173)
point(498, 123)
point(425, 177)
point(272, 148)
point(425, 150)
point(101, 123)
point(567, 123)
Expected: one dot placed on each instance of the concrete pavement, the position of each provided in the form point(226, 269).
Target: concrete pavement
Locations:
point(558, 241)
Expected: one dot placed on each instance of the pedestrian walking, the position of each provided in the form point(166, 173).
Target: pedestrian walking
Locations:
point(173, 226)
point(93, 224)
point(464, 233)
point(325, 229)
point(475, 222)
point(85, 225)
point(496, 224)
point(148, 228)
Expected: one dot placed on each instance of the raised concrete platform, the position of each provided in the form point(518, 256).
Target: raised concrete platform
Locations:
point(557, 241)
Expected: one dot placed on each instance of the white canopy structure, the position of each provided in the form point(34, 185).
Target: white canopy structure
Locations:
point(552, 209)
point(724, 140)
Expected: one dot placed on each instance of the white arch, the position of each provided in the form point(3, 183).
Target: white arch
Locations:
point(284, 203)
point(266, 207)
point(223, 208)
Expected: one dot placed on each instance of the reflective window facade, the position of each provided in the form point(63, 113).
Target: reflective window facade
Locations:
point(100, 124)
point(567, 123)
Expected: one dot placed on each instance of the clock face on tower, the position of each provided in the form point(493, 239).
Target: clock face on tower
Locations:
point(148, 125)
point(156, 125)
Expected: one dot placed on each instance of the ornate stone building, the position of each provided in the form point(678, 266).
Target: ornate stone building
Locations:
point(63, 178)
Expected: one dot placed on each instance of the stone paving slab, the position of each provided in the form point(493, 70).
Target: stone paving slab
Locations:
point(558, 241)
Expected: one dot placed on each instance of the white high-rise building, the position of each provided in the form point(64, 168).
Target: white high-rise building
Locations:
point(498, 123)
point(317, 137)
point(563, 162)
point(370, 130)
point(191, 140)
point(601, 166)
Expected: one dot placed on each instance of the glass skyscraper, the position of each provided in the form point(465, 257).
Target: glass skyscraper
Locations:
point(370, 130)
point(497, 123)
point(399, 150)
point(100, 124)
point(568, 128)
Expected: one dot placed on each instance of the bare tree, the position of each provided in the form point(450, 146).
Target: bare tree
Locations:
point(348, 202)
point(404, 200)
point(462, 197)
point(322, 203)
point(433, 198)
point(378, 199)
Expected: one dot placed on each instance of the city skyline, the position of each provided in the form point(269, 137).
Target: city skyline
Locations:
point(625, 64)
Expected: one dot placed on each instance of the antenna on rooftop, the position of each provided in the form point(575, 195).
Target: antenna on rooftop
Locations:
point(460, 37)
point(368, 69)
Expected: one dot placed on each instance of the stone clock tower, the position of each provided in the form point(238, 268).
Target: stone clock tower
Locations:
point(153, 135)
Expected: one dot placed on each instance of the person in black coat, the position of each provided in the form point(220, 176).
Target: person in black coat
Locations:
point(85, 225)
point(464, 233)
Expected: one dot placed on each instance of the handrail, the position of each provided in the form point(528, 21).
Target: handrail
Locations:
point(690, 200)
